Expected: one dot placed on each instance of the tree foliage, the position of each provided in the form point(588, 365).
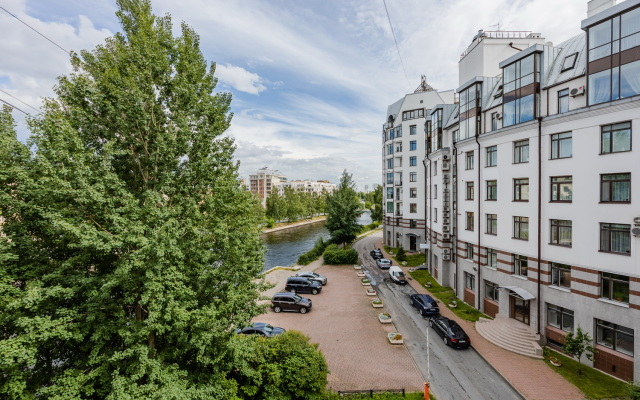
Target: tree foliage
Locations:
point(343, 209)
point(578, 343)
point(130, 246)
point(375, 198)
point(293, 205)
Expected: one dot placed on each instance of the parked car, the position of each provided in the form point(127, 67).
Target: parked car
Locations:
point(290, 302)
point(383, 263)
point(449, 330)
point(396, 275)
point(376, 254)
point(261, 328)
point(302, 285)
point(312, 276)
point(425, 304)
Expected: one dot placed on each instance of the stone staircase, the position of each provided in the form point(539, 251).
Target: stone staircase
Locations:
point(511, 335)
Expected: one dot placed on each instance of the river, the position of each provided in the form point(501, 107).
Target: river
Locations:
point(285, 246)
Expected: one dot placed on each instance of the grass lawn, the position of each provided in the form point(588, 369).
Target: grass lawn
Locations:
point(593, 383)
point(446, 295)
point(413, 260)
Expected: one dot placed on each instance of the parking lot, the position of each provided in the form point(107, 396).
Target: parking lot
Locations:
point(346, 327)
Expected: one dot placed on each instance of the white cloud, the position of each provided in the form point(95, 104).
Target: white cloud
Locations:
point(239, 78)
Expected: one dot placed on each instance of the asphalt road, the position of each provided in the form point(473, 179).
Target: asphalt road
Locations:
point(454, 374)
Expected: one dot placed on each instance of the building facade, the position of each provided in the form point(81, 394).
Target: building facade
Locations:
point(263, 181)
point(317, 187)
point(532, 192)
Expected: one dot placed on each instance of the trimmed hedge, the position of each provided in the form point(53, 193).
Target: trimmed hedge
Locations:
point(313, 254)
point(333, 255)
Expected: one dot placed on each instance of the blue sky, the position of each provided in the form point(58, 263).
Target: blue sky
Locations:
point(310, 80)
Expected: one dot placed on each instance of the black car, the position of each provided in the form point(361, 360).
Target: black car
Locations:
point(425, 304)
point(376, 254)
point(261, 328)
point(302, 285)
point(449, 330)
point(290, 302)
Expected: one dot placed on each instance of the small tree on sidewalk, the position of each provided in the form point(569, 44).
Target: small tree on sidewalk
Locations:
point(577, 344)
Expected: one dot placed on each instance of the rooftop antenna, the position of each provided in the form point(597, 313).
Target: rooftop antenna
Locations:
point(424, 86)
point(498, 25)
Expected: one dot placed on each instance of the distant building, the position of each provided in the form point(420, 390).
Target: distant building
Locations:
point(262, 182)
point(308, 186)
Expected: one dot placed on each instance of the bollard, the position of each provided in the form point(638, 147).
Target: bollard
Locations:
point(426, 391)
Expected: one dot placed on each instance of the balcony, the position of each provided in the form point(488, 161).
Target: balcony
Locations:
point(398, 183)
point(398, 213)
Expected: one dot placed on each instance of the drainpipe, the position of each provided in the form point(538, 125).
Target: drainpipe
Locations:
point(427, 180)
point(477, 194)
point(539, 219)
point(454, 238)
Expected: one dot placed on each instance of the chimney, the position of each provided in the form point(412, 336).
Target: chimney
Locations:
point(596, 6)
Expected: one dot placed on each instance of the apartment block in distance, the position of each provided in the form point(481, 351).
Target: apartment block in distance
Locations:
point(533, 190)
point(262, 182)
point(317, 187)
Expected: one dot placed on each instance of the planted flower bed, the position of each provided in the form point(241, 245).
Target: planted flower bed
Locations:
point(384, 318)
point(394, 338)
point(360, 274)
point(371, 292)
point(377, 303)
point(365, 281)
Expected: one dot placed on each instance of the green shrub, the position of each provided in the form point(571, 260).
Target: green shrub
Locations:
point(401, 255)
point(372, 226)
point(270, 223)
point(313, 254)
point(333, 255)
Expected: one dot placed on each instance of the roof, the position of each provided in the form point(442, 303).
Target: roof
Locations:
point(576, 44)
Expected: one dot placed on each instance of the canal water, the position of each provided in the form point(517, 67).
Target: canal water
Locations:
point(285, 246)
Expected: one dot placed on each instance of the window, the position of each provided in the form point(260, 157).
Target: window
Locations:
point(615, 287)
point(413, 193)
point(413, 145)
point(491, 291)
point(469, 281)
point(561, 145)
point(560, 318)
point(469, 251)
point(492, 224)
point(390, 178)
point(413, 176)
point(615, 188)
point(413, 224)
point(469, 114)
point(390, 163)
point(435, 191)
point(470, 221)
point(413, 161)
point(569, 62)
point(615, 238)
point(469, 193)
point(519, 81)
point(389, 206)
point(390, 149)
point(398, 131)
point(412, 130)
point(492, 258)
point(413, 207)
point(561, 188)
point(563, 101)
point(613, 336)
point(521, 189)
point(492, 190)
point(389, 193)
point(492, 156)
point(412, 114)
point(435, 215)
point(521, 151)
point(494, 121)
point(560, 275)
point(615, 138)
point(521, 228)
point(561, 232)
point(469, 160)
point(520, 265)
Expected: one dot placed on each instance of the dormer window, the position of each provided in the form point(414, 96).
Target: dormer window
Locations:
point(569, 62)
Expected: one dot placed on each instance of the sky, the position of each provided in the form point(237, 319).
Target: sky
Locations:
point(310, 79)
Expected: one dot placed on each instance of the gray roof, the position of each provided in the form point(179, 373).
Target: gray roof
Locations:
point(576, 44)
point(394, 109)
point(453, 115)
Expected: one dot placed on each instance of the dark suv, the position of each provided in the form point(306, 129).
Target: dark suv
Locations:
point(290, 302)
point(302, 285)
point(425, 304)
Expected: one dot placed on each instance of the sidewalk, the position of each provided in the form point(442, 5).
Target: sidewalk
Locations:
point(532, 378)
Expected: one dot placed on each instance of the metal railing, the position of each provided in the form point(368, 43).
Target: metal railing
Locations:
point(357, 394)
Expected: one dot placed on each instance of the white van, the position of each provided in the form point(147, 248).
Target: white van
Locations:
point(397, 275)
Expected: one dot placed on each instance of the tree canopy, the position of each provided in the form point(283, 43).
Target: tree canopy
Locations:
point(128, 246)
point(343, 209)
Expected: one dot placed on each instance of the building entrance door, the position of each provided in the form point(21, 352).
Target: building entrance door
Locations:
point(413, 243)
point(519, 308)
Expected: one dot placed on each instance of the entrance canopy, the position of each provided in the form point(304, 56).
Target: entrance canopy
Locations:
point(520, 292)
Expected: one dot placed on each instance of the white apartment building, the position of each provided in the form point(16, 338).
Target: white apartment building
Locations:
point(317, 187)
point(533, 183)
point(263, 181)
point(403, 148)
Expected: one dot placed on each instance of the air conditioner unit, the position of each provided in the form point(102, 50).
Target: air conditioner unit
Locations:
point(445, 228)
point(636, 220)
point(446, 236)
point(445, 214)
point(445, 209)
point(445, 178)
point(446, 221)
point(446, 257)
point(446, 251)
point(446, 157)
point(577, 91)
point(635, 231)
point(445, 165)
point(499, 115)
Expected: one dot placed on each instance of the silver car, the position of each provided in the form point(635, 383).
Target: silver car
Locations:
point(312, 276)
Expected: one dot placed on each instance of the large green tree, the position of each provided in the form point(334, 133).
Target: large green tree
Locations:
point(343, 209)
point(375, 197)
point(130, 245)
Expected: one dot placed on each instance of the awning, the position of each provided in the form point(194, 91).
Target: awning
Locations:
point(520, 292)
point(412, 234)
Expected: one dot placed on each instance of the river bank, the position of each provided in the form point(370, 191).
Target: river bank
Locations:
point(296, 224)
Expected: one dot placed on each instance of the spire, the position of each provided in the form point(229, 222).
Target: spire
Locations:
point(424, 86)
